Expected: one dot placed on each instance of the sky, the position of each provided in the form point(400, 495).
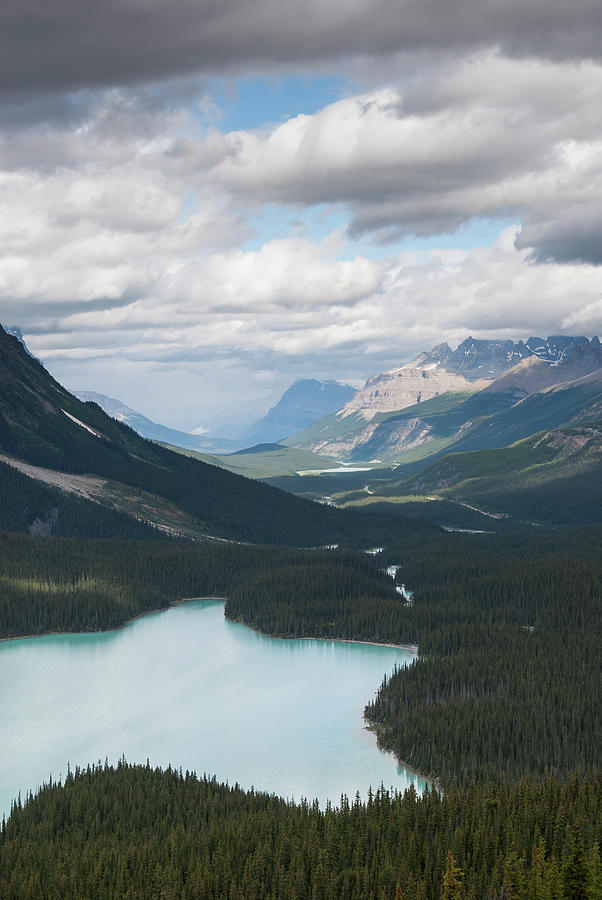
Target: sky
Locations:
point(202, 201)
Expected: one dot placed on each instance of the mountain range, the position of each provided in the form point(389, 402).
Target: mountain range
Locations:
point(155, 432)
point(474, 363)
point(68, 468)
point(301, 404)
point(483, 394)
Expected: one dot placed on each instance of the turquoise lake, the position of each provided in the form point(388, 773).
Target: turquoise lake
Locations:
point(187, 687)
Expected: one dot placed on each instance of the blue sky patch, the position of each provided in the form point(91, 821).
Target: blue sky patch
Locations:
point(259, 101)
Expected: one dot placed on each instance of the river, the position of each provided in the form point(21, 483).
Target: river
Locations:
point(189, 688)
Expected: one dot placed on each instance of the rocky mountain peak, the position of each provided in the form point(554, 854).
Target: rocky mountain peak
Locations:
point(476, 364)
point(477, 359)
point(305, 401)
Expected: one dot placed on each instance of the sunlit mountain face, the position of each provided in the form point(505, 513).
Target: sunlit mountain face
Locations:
point(301, 304)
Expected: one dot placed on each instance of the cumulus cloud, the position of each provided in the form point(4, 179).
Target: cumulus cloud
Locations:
point(485, 137)
point(128, 238)
point(66, 46)
point(293, 308)
point(565, 222)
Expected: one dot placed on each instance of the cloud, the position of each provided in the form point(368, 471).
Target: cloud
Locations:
point(122, 241)
point(123, 265)
point(566, 221)
point(485, 137)
point(189, 363)
point(294, 300)
point(67, 46)
point(478, 137)
point(127, 214)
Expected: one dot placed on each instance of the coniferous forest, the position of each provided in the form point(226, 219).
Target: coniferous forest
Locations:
point(501, 709)
point(341, 263)
point(131, 831)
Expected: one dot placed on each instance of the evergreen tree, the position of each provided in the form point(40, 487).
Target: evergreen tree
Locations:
point(594, 883)
point(452, 879)
point(576, 870)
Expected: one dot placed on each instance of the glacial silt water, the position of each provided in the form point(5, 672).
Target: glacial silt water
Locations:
point(187, 687)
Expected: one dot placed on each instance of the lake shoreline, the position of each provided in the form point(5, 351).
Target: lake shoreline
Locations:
point(165, 651)
point(413, 648)
point(282, 637)
point(148, 612)
point(380, 731)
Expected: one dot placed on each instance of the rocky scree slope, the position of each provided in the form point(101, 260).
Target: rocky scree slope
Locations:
point(446, 395)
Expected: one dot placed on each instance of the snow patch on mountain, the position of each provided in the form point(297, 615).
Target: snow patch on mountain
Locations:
point(81, 424)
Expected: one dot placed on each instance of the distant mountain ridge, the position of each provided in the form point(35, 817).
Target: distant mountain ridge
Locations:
point(155, 432)
point(301, 404)
point(15, 331)
point(59, 455)
point(470, 396)
point(472, 365)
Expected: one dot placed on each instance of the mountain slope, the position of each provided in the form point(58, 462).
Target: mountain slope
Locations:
point(154, 432)
point(304, 402)
point(38, 507)
point(553, 476)
point(557, 406)
point(481, 415)
point(414, 432)
point(15, 331)
point(472, 364)
point(44, 425)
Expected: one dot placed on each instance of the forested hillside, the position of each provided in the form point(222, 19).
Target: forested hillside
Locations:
point(501, 709)
point(552, 476)
point(139, 833)
point(508, 680)
point(44, 425)
point(75, 585)
point(32, 507)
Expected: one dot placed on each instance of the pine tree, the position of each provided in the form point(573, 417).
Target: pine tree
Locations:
point(513, 876)
point(452, 879)
point(575, 871)
point(594, 882)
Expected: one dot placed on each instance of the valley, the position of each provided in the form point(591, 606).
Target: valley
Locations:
point(300, 450)
point(493, 529)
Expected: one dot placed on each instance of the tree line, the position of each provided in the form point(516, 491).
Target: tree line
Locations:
point(79, 585)
point(507, 682)
point(137, 832)
point(504, 693)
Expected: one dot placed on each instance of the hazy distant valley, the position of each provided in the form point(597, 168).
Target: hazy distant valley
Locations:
point(483, 397)
point(300, 450)
point(473, 536)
